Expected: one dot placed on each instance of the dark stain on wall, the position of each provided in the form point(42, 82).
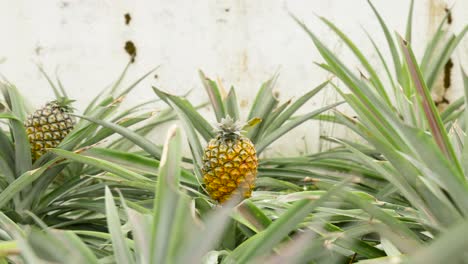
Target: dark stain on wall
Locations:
point(449, 15)
point(449, 65)
point(442, 103)
point(131, 50)
point(447, 82)
point(447, 78)
point(447, 73)
point(127, 18)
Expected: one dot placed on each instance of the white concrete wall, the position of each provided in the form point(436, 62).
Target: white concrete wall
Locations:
point(240, 42)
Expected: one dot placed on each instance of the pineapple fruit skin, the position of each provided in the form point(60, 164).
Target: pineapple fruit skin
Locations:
point(47, 127)
point(229, 166)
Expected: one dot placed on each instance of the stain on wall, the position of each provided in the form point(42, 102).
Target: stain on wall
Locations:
point(131, 50)
point(128, 18)
point(449, 15)
point(438, 11)
point(129, 46)
point(448, 74)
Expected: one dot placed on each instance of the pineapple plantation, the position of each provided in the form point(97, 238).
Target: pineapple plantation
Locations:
point(90, 185)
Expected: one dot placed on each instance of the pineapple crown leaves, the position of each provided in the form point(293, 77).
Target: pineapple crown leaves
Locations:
point(229, 127)
point(64, 103)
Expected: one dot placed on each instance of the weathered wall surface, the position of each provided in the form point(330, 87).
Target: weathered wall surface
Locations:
point(240, 42)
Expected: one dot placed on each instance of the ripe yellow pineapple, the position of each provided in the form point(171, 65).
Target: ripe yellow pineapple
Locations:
point(229, 162)
point(48, 126)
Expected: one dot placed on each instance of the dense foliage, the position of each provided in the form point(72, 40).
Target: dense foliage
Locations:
point(109, 194)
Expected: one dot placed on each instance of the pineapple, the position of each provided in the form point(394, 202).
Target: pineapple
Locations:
point(48, 126)
point(229, 162)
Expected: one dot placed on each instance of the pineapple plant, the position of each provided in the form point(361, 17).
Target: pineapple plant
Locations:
point(48, 126)
point(411, 162)
point(229, 162)
point(41, 152)
point(142, 235)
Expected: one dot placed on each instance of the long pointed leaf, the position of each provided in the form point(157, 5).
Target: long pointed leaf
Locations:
point(215, 96)
point(121, 250)
point(140, 141)
point(167, 198)
point(435, 123)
